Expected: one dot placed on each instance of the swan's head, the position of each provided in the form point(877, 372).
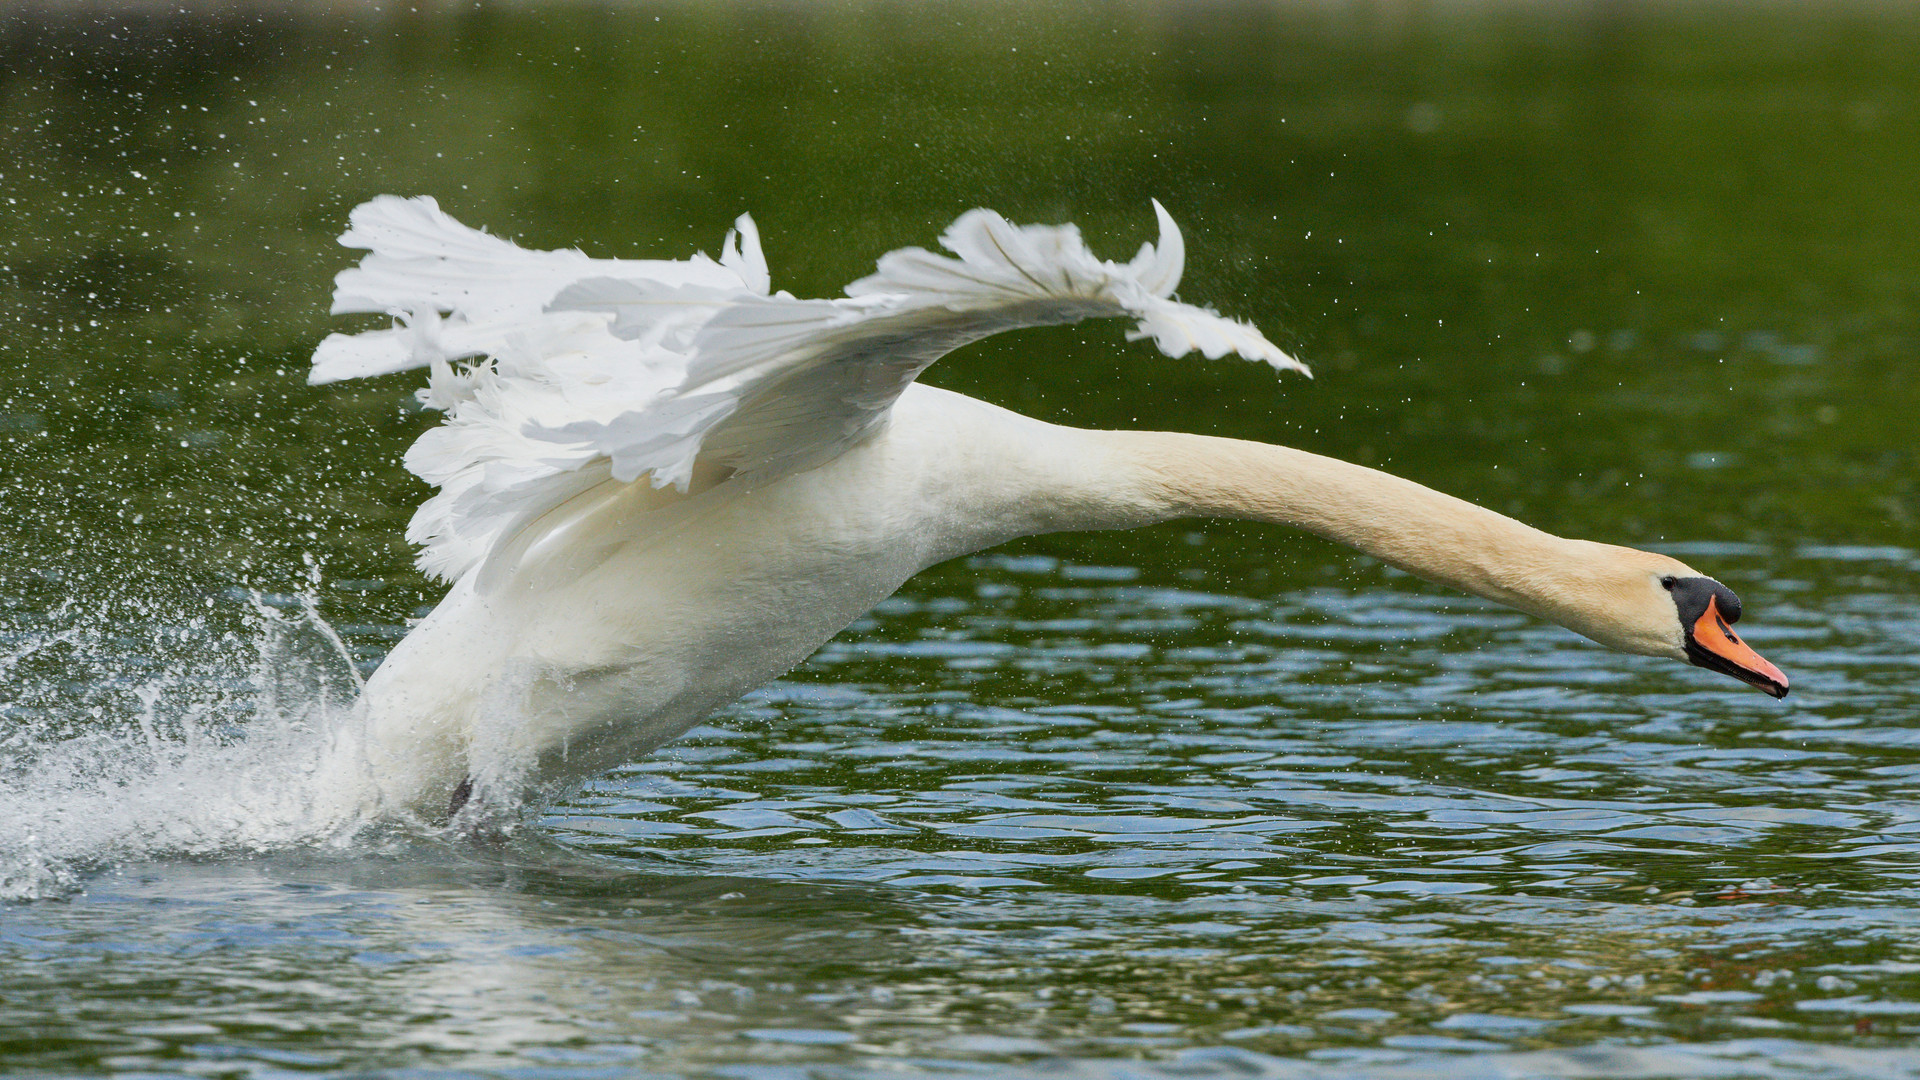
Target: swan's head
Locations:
point(1707, 611)
point(1658, 606)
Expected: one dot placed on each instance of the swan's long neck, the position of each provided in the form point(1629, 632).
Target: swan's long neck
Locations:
point(1437, 537)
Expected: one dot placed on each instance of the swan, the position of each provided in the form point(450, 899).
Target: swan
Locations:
point(662, 484)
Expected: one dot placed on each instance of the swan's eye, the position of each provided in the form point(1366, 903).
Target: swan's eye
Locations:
point(1669, 582)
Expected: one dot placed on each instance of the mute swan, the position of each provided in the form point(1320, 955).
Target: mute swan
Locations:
point(662, 485)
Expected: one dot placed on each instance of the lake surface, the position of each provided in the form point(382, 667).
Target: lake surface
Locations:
point(1205, 800)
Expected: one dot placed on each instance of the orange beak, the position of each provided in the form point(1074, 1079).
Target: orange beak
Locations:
point(1711, 643)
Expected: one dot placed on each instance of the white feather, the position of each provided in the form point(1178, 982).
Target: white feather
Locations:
point(586, 368)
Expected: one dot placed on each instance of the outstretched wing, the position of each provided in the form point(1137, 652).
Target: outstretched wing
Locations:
point(607, 367)
point(423, 262)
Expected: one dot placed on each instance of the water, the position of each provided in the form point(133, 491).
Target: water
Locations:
point(1203, 800)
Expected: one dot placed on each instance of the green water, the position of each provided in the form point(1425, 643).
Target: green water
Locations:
point(1202, 800)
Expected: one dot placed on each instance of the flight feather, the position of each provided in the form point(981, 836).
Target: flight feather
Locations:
point(557, 370)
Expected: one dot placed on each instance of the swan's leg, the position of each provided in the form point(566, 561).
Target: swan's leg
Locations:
point(461, 794)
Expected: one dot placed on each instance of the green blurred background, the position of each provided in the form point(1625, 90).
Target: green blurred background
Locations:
point(1643, 272)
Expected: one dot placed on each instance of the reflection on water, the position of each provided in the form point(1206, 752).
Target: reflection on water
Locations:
point(1200, 801)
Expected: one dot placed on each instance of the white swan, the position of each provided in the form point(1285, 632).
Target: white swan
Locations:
point(662, 485)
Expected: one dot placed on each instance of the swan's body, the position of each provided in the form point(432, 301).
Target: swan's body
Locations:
point(638, 611)
point(664, 487)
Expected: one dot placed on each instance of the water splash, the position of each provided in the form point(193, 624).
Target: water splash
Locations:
point(194, 741)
